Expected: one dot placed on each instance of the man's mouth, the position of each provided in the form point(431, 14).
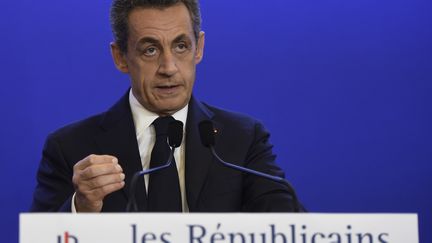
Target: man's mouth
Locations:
point(168, 89)
point(167, 86)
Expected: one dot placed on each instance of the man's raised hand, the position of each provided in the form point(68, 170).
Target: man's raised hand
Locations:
point(95, 177)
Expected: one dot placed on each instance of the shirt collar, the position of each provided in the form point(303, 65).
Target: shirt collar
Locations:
point(144, 118)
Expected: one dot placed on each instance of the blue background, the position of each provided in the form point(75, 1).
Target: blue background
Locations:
point(344, 86)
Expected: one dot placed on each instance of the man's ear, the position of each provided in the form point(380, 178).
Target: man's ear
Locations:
point(119, 58)
point(200, 47)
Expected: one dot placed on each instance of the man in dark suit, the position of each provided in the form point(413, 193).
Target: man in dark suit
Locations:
point(88, 166)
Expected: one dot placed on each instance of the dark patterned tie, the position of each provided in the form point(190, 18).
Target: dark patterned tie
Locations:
point(163, 189)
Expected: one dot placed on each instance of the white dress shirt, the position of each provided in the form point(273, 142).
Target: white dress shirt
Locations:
point(146, 137)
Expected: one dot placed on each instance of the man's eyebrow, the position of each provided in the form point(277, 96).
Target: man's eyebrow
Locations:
point(181, 37)
point(148, 40)
point(152, 40)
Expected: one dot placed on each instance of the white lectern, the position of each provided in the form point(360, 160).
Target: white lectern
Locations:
point(220, 228)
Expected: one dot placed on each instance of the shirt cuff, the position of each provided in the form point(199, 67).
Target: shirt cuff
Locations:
point(73, 209)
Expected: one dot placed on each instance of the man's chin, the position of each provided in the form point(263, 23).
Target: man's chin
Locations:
point(169, 108)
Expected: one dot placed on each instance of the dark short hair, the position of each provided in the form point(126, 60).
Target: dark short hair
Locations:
point(120, 10)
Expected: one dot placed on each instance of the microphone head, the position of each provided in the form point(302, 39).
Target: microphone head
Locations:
point(175, 133)
point(207, 133)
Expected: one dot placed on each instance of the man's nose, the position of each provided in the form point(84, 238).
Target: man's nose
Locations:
point(167, 64)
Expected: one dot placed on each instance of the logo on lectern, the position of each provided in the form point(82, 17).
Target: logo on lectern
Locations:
point(67, 238)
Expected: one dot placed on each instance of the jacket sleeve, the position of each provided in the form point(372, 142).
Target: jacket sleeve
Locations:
point(54, 187)
point(260, 194)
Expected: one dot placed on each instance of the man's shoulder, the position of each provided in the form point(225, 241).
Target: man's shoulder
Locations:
point(91, 126)
point(79, 129)
point(233, 119)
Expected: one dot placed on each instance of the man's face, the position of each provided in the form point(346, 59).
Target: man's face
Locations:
point(161, 57)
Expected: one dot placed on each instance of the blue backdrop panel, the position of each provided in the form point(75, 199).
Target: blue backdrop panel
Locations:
point(344, 87)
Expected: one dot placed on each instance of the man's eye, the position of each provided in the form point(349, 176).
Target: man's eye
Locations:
point(181, 47)
point(151, 51)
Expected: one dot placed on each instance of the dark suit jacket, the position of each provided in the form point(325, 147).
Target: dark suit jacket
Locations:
point(210, 187)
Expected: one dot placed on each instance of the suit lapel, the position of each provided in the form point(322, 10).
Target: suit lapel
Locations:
point(198, 157)
point(119, 139)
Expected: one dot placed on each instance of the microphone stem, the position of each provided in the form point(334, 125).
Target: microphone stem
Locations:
point(261, 174)
point(257, 173)
point(132, 203)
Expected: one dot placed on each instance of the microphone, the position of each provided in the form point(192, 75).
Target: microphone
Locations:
point(208, 139)
point(175, 136)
